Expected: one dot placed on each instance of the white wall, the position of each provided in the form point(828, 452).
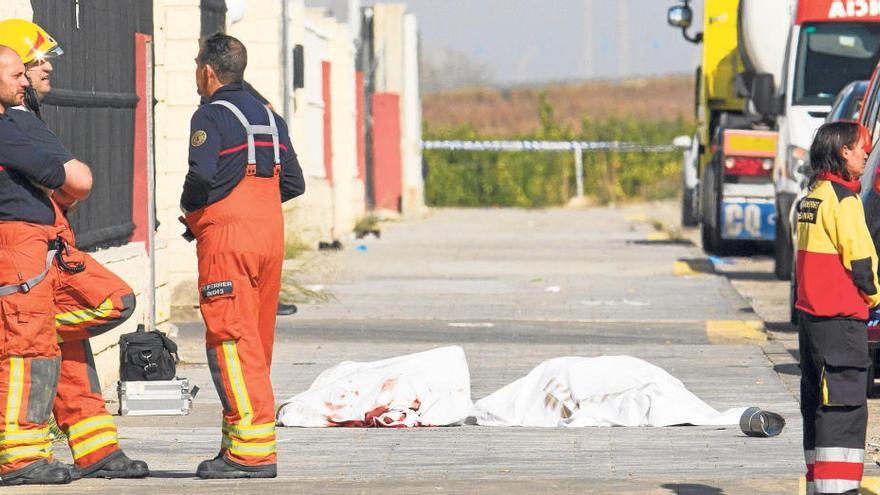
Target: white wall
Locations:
point(348, 197)
point(396, 52)
point(411, 122)
point(261, 32)
point(176, 26)
point(20, 9)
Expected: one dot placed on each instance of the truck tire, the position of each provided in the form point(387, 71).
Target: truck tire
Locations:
point(782, 252)
point(709, 234)
point(688, 216)
point(711, 239)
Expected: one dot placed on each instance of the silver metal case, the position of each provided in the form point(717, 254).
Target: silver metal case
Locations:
point(155, 398)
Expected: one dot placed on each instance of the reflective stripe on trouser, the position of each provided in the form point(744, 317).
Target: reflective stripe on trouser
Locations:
point(833, 402)
point(90, 302)
point(27, 386)
point(79, 406)
point(92, 439)
point(239, 242)
point(248, 404)
point(834, 469)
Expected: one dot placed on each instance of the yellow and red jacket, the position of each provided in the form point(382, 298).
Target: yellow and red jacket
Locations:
point(836, 258)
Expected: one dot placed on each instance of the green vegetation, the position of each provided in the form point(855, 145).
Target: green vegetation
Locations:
point(294, 246)
point(55, 432)
point(539, 179)
point(292, 291)
point(368, 224)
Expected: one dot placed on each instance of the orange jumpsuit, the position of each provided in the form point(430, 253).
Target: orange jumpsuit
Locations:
point(87, 303)
point(30, 356)
point(240, 248)
point(29, 353)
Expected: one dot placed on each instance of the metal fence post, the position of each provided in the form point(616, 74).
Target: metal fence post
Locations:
point(579, 169)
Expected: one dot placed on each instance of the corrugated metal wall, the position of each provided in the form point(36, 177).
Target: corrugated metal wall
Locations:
point(91, 107)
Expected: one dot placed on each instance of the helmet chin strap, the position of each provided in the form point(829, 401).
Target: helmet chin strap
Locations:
point(30, 98)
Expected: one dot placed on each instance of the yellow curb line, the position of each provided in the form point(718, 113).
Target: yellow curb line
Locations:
point(659, 236)
point(693, 267)
point(736, 332)
point(636, 217)
point(683, 269)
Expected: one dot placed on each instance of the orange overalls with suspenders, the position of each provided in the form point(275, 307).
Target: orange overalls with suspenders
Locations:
point(89, 301)
point(240, 248)
point(63, 303)
point(29, 354)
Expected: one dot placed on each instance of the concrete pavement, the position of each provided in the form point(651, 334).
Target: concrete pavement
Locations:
point(514, 288)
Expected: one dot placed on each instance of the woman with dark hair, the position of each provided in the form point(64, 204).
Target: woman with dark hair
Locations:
point(836, 286)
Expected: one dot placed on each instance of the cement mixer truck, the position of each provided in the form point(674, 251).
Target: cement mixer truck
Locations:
point(769, 73)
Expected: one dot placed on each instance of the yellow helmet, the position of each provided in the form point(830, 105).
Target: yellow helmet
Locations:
point(30, 41)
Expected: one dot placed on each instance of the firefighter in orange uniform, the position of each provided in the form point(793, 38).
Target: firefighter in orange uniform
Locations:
point(89, 299)
point(29, 354)
point(837, 284)
point(241, 168)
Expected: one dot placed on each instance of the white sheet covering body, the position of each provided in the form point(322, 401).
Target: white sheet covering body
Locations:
point(599, 391)
point(430, 388)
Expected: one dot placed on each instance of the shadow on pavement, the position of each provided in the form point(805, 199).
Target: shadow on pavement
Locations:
point(754, 275)
point(662, 242)
point(692, 489)
point(698, 265)
point(788, 369)
point(780, 326)
point(172, 474)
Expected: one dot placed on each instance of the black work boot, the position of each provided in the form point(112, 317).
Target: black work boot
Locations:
point(73, 469)
point(286, 309)
point(117, 465)
point(38, 473)
point(221, 467)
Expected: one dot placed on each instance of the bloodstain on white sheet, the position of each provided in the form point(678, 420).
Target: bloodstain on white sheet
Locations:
point(378, 417)
point(334, 407)
point(389, 384)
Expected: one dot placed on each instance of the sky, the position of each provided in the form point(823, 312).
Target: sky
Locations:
point(532, 41)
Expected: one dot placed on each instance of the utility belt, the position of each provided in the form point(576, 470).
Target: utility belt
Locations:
point(56, 250)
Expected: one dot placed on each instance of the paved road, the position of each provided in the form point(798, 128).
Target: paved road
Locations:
point(513, 288)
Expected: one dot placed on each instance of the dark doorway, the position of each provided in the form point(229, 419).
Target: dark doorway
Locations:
point(213, 17)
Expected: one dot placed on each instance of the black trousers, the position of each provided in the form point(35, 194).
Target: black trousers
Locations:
point(834, 404)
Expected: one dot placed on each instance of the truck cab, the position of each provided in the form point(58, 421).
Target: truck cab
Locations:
point(830, 44)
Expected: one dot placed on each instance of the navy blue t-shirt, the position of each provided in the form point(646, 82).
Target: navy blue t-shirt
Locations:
point(23, 162)
point(218, 150)
point(39, 133)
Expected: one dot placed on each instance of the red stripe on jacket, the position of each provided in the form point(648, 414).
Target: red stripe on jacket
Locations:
point(259, 144)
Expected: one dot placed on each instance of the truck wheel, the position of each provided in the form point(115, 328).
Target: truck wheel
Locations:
point(688, 215)
point(711, 236)
point(711, 239)
point(688, 218)
point(782, 248)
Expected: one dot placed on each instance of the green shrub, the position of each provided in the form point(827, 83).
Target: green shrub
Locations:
point(539, 179)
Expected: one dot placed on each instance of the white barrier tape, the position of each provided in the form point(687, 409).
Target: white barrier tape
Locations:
point(456, 145)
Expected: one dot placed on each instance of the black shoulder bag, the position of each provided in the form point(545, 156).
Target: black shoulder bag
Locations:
point(146, 356)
